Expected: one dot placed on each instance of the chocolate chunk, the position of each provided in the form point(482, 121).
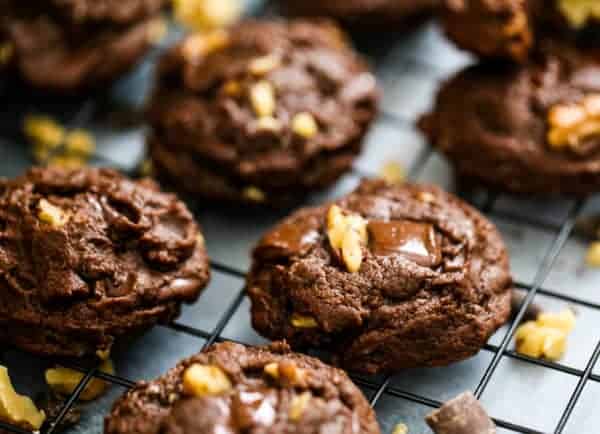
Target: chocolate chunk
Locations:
point(461, 415)
point(234, 389)
point(88, 256)
point(264, 112)
point(393, 277)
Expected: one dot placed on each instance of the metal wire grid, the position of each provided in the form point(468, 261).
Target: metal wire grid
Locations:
point(379, 388)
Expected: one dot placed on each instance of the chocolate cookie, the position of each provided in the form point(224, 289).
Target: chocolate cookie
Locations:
point(527, 129)
point(388, 277)
point(88, 256)
point(263, 112)
point(68, 45)
point(230, 389)
point(511, 28)
point(369, 14)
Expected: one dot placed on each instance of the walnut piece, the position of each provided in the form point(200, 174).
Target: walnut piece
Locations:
point(262, 98)
point(305, 125)
point(572, 124)
point(51, 214)
point(393, 172)
point(579, 12)
point(592, 257)
point(44, 131)
point(202, 380)
point(268, 123)
point(80, 142)
point(400, 429)
point(347, 234)
point(298, 405)
point(207, 14)
point(203, 44)
point(17, 409)
point(546, 336)
point(64, 381)
point(286, 372)
point(265, 64)
point(303, 321)
point(254, 194)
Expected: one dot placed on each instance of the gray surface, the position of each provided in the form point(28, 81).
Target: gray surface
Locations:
point(410, 71)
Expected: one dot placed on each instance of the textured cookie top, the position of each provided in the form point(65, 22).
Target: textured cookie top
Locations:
point(90, 248)
point(263, 98)
point(543, 115)
point(231, 388)
point(117, 11)
point(381, 262)
point(511, 28)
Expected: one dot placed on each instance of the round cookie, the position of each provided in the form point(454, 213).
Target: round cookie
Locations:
point(88, 256)
point(511, 28)
point(264, 112)
point(230, 389)
point(70, 45)
point(525, 129)
point(365, 14)
point(388, 277)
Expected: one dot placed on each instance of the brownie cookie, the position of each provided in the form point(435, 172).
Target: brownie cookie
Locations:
point(365, 14)
point(533, 128)
point(88, 256)
point(388, 277)
point(230, 388)
point(263, 112)
point(68, 45)
point(511, 28)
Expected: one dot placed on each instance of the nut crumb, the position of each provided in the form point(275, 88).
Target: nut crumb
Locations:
point(264, 65)
point(254, 194)
point(207, 14)
point(202, 380)
point(570, 125)
point(347, 234)
point(393, 172)
point(51, 214)
point(303, 321)
point(272, 370)
point(400, 429)
point(64, 381)
point(262, 97)
point(268, 123)
point(305, 125)
point(17, 409)
point(592, 257)
point(298, 405)
point(79, 142)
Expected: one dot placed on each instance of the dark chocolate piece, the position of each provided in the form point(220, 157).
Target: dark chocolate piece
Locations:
point(461, 415)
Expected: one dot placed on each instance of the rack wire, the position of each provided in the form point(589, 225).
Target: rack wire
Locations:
point(384, 387)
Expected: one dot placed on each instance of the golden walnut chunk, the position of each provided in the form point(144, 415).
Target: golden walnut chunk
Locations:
point(298, 405)
point(400, 429)
point(305, 125)
point(262, 98)
point(207, 14)
point(203, 44)
point(303, 321)
point(592, 257)
point(393, 172)
point(546, 337)
point(286, 372)
point(347, 234)
point(579, 12)
point(17, 409)
point(254, 194)
point(43, 131)
point(205, 380)
point(265, 64)
point(572, 124)
point(80, 142)
point(64, 381)
point(51, 214)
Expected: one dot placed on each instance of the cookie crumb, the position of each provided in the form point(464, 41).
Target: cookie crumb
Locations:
point(461, 415)
point(64, 381)
point(17, 409)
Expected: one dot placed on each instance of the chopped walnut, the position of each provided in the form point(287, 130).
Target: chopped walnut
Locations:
point(592, 258)
point(254, 194)
point(425, 196)
point(64, 381)
point(305, 125)
point(262, 97)
point(51, 214)
point(80, 142)
point(347, 234)
point(572, 124)
point(579, 12)
point(268, 123)
point(232, 88)
point(207, 14)
point(202, 380)
point(393, 172)
point(285, 372)
point(200, 45)
point(264, 65)
point(17, 409)
point(303, 321)
point(272, 370)
point(546, 336)
point(67, 161)
point(43, 130)
point(298, 405)
point(400, 429)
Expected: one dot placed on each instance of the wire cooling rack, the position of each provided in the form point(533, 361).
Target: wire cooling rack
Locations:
point(410, 69)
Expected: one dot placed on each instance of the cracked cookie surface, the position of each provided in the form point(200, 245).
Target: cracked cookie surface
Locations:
point(431, 286)
point(88, 256)
point(231, 388)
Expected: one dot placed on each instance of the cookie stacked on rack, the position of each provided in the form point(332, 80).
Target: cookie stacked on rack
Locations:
point(526, 118)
